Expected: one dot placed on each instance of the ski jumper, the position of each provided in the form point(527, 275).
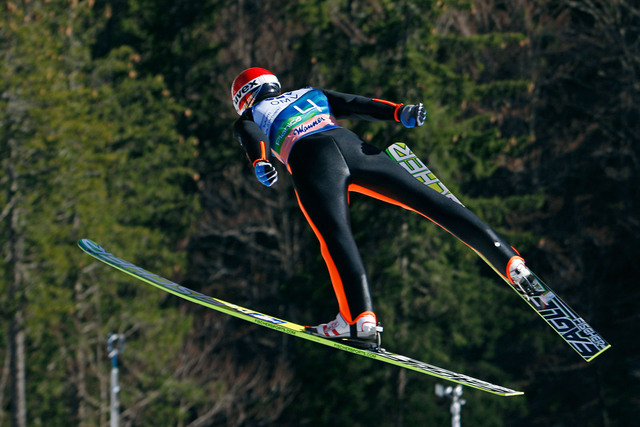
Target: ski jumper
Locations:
point(327, 162)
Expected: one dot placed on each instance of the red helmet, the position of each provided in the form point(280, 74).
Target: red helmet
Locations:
point(250, 84)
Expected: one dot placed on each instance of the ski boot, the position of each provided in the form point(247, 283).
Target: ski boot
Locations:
point(523, 280)
point(365, 333)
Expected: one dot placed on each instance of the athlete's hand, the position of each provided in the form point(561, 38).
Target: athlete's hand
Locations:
point(413, 115)
point(266, 173)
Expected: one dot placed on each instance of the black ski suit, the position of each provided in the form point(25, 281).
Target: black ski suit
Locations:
point(327, 162)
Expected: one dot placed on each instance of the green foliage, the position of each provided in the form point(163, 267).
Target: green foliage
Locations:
point(97, 155)
point(115, 124)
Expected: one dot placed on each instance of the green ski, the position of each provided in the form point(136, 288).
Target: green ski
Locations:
point(284, 326)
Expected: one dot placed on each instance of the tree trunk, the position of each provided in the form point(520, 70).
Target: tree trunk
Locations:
point(16, 294)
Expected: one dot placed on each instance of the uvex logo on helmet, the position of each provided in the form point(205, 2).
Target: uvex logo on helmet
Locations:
point(253, 84)
point(247, 84)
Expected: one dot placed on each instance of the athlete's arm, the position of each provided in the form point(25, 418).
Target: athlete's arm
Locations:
point(349, 106)
point(256, 145)
point(252, 138)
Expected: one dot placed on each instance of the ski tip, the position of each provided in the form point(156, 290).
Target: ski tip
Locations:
point(89, 245)
point(83, 243)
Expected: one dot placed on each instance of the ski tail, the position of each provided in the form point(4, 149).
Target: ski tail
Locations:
point(567, 323)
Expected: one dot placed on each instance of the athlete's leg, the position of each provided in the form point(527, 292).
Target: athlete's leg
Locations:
point(374, 173)
point(321, 179)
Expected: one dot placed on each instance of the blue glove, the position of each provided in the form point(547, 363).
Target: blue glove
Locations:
point(266, 172)
point(413, 115)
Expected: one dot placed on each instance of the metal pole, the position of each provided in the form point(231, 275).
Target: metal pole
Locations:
point(456, 403)
point(456, 406)
point(115, 346)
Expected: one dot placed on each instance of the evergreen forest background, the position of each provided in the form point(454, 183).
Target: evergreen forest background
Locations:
point(115, 124)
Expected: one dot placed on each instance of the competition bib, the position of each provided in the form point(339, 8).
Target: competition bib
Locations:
point(288, 117)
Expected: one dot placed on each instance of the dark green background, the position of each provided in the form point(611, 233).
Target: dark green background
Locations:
point(115, 124)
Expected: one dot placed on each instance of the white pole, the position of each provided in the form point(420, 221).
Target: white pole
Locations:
point(115, 345)
point(456, 403)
